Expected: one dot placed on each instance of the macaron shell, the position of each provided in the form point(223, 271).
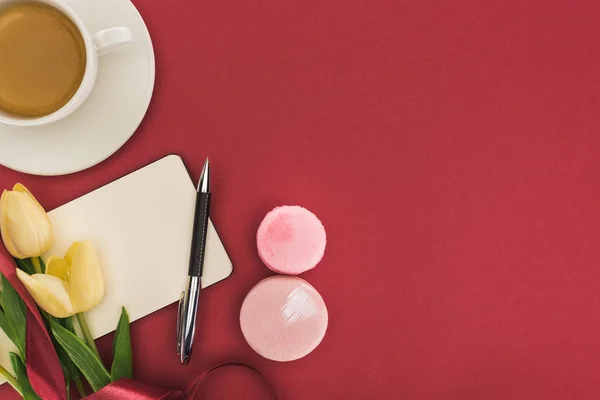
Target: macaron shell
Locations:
point(283, 318)
point(291, 240)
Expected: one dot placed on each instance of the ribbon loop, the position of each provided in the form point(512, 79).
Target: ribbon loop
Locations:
point(204, 377)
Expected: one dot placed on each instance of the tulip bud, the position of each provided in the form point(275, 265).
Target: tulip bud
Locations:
point(25, 226)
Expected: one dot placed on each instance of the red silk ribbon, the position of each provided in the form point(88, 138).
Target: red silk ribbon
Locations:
point(45, 372)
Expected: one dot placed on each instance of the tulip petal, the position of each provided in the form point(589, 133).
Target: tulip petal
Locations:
point(71, 252)
point(20, 188)
point(7, 240)
point(49, 292)
point(3, 199)
point(57, 267)
point(86, 282)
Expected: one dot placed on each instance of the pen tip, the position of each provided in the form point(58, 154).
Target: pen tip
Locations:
point(203, 183)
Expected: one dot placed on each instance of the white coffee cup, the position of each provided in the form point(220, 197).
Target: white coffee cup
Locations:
point(96, 45)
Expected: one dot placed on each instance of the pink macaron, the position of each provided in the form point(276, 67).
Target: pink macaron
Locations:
point(283, 318)
point(291, 240)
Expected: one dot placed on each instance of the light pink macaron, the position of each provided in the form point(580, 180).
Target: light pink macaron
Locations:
point(283, 318)
point(291, 240)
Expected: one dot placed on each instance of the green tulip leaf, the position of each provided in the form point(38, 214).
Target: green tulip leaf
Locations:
point(25, 265)
point(70, 370)
point(22, 378)
point(15, 311)
point(122, 366)
point(82, 356)
point(7, 328)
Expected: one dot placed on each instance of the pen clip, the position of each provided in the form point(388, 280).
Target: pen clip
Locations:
point(179, 320)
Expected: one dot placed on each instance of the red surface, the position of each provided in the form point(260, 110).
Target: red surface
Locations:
point(450, 149)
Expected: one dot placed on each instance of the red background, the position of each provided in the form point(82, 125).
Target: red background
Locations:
point(451, 150)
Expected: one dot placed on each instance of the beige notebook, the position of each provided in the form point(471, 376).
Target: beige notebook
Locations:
point(141, 227)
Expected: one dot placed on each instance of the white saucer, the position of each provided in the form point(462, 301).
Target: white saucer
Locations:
point(107, 119)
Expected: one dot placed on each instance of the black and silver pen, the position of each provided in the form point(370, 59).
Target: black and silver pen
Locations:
point(188, 303)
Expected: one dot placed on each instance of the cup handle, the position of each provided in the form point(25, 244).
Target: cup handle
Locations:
point(111, 39)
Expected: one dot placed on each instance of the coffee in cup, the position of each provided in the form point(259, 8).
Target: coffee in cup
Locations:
point(42, 59)
point(48, 60)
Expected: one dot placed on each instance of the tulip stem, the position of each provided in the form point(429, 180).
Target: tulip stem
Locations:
point(36, 265)
point(85, 329)
point(10, 379)
point(80, 388)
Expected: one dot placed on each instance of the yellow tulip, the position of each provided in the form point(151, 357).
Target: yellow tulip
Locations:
point(25, 227)
point(71, 285)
